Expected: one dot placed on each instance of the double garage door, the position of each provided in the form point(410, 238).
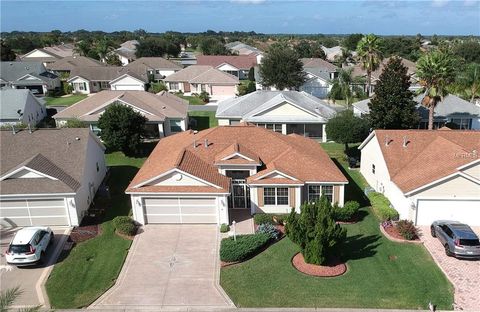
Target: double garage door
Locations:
point(34, 212)
point(465, 211)
point(180, 210)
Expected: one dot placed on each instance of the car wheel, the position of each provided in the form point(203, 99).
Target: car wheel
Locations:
point(447, 251)
point(432, 231)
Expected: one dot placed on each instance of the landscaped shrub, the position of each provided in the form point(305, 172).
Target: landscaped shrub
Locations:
point(346, 212)
point(224, 228)
point(125, 225)
point(407, 229)
point(280, 218)
point(269, 229)
point(263, 218)
point(204, 96)
point(246, 246)
point(381, 207)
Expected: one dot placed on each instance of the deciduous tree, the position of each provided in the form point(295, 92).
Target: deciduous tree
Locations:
point(346, 128)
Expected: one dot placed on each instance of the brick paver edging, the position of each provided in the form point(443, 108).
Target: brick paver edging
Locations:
point(393, 239)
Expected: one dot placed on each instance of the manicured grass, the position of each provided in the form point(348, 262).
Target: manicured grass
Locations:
point(92, 267)
point(193, 100)
point(204, 120)
point(381, 273)
point(64, 101)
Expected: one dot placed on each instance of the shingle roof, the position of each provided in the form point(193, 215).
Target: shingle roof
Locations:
point(145, 63)
point(203, 74)
point(56, 52)
point(106, 73)
point(359, 71)
point(428, 156)
point(159, 106)
point(13, 100)
point(59, 153)
point(12, 71)
point(244, 62)
point(318, 63)
point(303, 158)
point(242, 48)
point(70, 62)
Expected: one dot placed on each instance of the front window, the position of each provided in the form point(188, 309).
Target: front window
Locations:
point(203, 87)
point(462, 123)
point(234, 122)
point(327, 191)
point(174, 86)
point(273, 127)
point(314, 192)
point(275, 196)
point(175, 125)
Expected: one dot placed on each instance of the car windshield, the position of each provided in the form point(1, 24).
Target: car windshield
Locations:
point(19, 248)
point(469, 242)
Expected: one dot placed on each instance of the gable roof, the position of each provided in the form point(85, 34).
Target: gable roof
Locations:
point(105, 73)
point(56, 52)
point(244, 62)
point(14, 100)
point(242, 48)
point(318, 63)
point(145, 63)
point(58, 153)
point(14, 71)
point(247, 106)
point(359, 71)
point(156, 107)
point(429, 155)
point(70, 62)
point(203, 74)
point(301, 157)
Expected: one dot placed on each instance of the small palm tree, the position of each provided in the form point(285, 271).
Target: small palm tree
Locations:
point(436, 73)
point(103, 48)
point(82, 48)
point(8, 297)
point(346, 86)
point(370, 56)
point(468, 81)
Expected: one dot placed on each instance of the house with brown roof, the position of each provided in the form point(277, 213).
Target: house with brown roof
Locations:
point(64, 66)
point(200, 177)
point(49, 176)
point(236, 65)
point(48, 55)
point(156, 67)
point(166, 113)
point(427, 175)
point(199, 78)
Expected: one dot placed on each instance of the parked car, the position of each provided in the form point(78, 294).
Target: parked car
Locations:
point(29, 246)
point(458, 239)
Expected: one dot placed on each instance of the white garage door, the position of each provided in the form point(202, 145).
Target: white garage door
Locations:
point(180, 210)
point(34, 212)
point(466, 211)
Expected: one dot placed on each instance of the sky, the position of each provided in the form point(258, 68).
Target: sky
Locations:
point(394, 17)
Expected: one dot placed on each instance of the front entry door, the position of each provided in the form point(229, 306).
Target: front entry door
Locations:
point(240, 197)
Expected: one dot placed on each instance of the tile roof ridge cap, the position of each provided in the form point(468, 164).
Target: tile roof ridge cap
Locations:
point(180, 157)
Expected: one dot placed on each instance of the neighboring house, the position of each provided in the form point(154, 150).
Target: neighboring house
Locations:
point(281, 111)
point(126, 52)
point(156, 67)
point(236, 65)
point(93, 79)
point(241, 48)
point(198, 78)
point(452, 111)
point(199, 177)
point(48, 55)
point(166, 113)
point(49, 176)
point(64, 66)
point(319, 76)
point(20, 107)
point(28, 75)
point(426, 175)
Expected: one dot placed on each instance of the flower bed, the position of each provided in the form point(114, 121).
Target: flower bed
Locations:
point(391, 232)
point(83, 233)
point(335, 268)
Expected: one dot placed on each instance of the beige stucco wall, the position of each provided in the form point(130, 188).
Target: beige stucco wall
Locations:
point(177, 179)
point(285, 109)
point(473, 171)
point(456, 187)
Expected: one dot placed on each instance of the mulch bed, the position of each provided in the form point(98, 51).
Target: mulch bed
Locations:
point(125, 236)
point(83, 233)
point(393, 232)
point(336, 268)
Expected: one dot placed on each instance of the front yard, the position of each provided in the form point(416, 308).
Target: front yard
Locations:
point(381, 273)
point(64, 100)
point(93, 266)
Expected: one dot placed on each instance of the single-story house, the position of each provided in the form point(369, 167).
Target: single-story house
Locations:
point(28, 75)
point(427, 175)
point(281, 111)
point(236, 65)
point(93, 79)
point(198, 78)
point(198, 177)
point(166, 113)
point(319, 76)
point(241, 48)
point(49, 176)
point(127, 52)
point(452, 111)
point(64, 66)
point(157, 67)
point(20, 107)
point(48, 55)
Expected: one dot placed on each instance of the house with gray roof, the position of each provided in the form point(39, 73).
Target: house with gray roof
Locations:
point(20, 106)
point(452, 111)
point(127, 52)
point(156, 67)
point(28, 75)
point(319, 75)
point(49, 176)
point(285, 112)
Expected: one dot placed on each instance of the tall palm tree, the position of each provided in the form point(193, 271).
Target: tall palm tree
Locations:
point(8, 297)
point(346, 86)
point(436, 73)
point(468, 81)
point(103, 47)
point(370, 56)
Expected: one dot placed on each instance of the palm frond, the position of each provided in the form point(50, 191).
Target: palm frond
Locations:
point(8, 297)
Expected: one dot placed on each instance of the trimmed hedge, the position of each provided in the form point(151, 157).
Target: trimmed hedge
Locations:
point(224, 228)
point(381, 207)
point(125, 225)
point(346, 212)
point(270, 218)
point(246, 246)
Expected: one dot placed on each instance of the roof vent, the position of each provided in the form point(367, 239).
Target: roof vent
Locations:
point(387, 140)
point(195, 131)
point(206, 143)
point(194, 144)
point(77, 139)
point(29, 128)
point(164, 107)
point(405, 141)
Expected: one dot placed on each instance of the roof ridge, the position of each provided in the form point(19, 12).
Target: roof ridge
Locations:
point(180, 157)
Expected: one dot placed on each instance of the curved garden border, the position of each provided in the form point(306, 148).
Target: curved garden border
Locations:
point(318, 270)
point(393, 239)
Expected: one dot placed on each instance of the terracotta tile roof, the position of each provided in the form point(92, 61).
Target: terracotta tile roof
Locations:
point(239, 61)
point(300, 157)
point(177, 189)
point(237, 148)
point(275, 181)
point(203, 74)
point(428, 155)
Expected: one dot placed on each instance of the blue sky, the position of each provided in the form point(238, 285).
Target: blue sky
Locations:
point(460, 17)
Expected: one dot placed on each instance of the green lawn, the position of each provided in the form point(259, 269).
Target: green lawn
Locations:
point(204, 120)
point(381, 273)
point(92, 267)
point(193, 100)
point(64, 101)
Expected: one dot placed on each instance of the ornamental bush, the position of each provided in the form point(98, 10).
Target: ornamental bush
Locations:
point(125, 225)
point(224, 228)
point(263, 218)
point(246, 246)
point(346, 212)
point(381, 207)
point(269, 229)
point(407, 229)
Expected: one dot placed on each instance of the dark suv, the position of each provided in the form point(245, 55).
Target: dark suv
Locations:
point(457, 238)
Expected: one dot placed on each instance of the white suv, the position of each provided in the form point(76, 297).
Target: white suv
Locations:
point(29, 246)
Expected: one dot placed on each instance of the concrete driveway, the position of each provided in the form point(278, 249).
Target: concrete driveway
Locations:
point(169, 266)
point(464, 274)
point(30, 279)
